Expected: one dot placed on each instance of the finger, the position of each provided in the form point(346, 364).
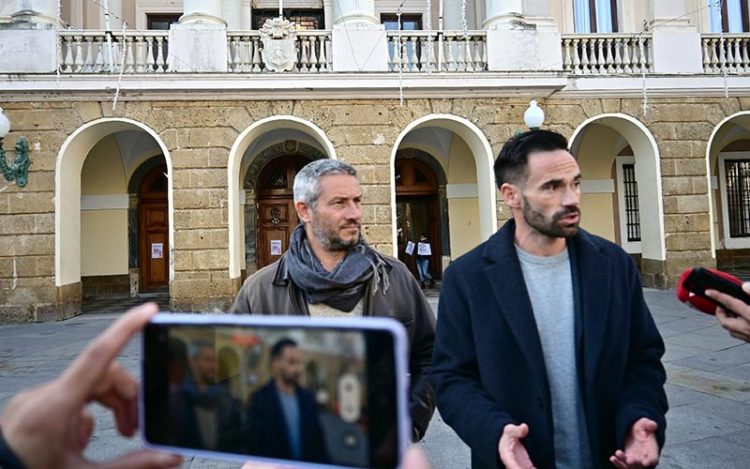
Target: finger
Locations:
point(617, 463)
point(746, 287)
point(143, 459)
point(415, 459)
point(83, 430)
point(91, 364)
point(731, 303)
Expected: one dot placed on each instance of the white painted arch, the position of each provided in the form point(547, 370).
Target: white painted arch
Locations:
point(744, 118)
point(243, 141)
point(483, 159)
point(648, 172)
point(68, 168)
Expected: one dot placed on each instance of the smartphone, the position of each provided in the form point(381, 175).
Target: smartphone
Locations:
point(277, 389)
point(694, 282)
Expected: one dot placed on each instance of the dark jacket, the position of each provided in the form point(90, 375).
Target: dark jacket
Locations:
point(267, 433)
point(488, 367)
point(271, 291)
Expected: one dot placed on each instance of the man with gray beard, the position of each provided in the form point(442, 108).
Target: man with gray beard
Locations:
point(329, 270)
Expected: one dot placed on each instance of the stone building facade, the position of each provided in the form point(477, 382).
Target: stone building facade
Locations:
point(181, 183)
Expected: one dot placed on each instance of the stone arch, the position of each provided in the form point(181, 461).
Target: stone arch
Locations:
point(724, 134)
point(648, 172)
point(481, 153)
point(234, 181)
point(69, 163)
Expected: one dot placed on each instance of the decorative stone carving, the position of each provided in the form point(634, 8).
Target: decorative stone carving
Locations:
point(279, 44)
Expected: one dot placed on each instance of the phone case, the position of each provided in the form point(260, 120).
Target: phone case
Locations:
point(694, 282)
point(349, 324)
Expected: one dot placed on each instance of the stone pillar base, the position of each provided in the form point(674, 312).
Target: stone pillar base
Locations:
point(665, 274)
point(368, 51)
point(68, 301)
point(28, 51)
point(197, 47)
point(536, 46)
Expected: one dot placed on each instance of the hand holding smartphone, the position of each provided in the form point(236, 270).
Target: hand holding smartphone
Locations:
point(693, 283)
point(323, 392)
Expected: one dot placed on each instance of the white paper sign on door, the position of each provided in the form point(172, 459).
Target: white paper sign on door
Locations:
point(275, 247)
point(409, 247)
point(157, 250)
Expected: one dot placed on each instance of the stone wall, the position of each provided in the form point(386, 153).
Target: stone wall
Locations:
point(199, 135)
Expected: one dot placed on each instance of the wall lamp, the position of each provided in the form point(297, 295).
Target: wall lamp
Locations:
point(19, 170)
point(534, 116)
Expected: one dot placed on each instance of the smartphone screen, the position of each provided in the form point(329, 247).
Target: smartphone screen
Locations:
point(326, 395)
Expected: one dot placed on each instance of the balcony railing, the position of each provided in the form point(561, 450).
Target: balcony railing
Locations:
point(606, 54)
point(98, 52)
point(443, 51)
point(726, 54)
point(244, 49)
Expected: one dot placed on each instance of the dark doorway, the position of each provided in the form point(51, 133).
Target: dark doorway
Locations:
point(417, 211)
point(153, 230)
point(276, 216)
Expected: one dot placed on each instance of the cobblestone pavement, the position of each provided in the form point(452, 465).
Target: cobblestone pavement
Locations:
point(708, 386)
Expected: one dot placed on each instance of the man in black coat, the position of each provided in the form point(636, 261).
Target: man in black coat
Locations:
point(282, 419)
point(546, 354)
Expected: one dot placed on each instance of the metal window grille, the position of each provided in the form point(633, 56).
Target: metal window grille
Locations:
point(738, 197)
point(632, 215)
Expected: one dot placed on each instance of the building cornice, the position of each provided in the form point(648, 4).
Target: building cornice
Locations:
point(350, 86)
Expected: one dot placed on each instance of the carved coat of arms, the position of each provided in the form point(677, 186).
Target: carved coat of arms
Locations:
point(279, 44)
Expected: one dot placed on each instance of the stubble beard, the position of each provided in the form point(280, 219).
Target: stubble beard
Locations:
point(550, 227)
point(331, 241)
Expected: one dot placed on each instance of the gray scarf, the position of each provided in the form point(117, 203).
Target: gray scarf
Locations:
point(345, 285)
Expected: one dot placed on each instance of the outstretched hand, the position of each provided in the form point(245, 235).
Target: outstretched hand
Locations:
point(513, 453)
point(641, 448)
point(49, 426)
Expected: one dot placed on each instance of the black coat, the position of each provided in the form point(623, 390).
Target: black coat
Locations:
point(267, 434)
point(488, 368)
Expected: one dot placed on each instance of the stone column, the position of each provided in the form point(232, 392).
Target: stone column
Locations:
point(198, 43)
point(498, 11)
point(676, 43)
point(36, 13)
point(202, 11)
point(247, 15)
point(115, 15)
point(452, 20)
point(232, 11)
point(358, 42)
point(357, 14)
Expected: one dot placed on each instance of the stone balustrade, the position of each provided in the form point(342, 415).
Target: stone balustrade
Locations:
point(244, 50)
point(606, 54)
point(444, 51)
point(99, 52)
point(727, 53)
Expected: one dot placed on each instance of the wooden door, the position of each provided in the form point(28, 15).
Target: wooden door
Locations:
point(276, 220)
point(153, 230)
point(276, 216)
point(417, 212)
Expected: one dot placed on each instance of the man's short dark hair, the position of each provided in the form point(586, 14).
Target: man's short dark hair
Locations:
point(278, 348)
point(510, 165)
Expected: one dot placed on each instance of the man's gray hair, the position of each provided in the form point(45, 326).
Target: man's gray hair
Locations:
point(307, 182)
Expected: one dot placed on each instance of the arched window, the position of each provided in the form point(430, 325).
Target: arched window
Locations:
point(729, 16)
point(595, 16)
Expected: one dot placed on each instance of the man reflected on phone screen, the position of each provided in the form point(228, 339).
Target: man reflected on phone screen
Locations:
point(208, 416)
point(282, 420)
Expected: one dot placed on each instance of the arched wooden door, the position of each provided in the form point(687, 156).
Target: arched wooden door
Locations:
point(417, 211)
point(153, 230)
point(275, 207)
